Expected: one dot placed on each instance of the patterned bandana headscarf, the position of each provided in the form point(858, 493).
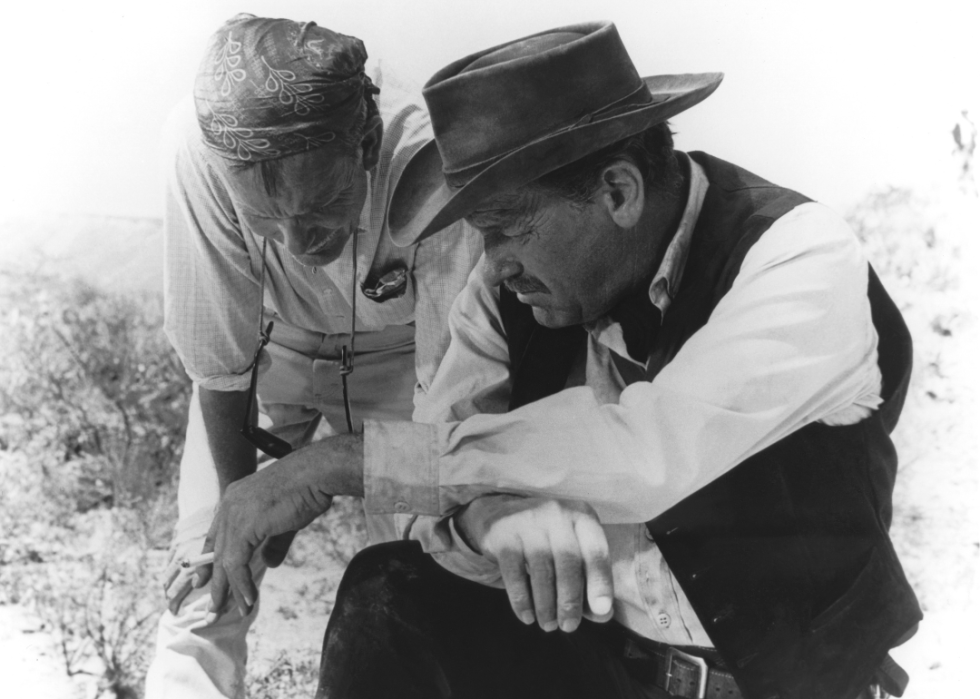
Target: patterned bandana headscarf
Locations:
point(268, 88)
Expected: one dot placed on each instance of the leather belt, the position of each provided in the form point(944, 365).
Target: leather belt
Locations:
point(686, 675)
point(683, 674)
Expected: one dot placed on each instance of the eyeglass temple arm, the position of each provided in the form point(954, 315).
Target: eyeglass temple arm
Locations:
point(264, 336)
point(347, 353)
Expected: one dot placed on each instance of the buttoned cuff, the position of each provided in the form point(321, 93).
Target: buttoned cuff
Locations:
point(401, 469)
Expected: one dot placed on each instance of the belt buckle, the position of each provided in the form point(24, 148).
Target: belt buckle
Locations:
point(700, 663)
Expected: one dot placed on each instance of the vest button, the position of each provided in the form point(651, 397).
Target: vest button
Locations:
point(401, 506)
point(698, 574)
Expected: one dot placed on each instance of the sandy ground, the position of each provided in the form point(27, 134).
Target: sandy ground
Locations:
point(295, 605)
point(29, 659)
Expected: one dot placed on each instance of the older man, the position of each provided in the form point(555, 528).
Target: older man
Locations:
point(667, 402)
point(278, 181)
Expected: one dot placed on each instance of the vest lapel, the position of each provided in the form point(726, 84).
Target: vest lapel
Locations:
point(540, 358)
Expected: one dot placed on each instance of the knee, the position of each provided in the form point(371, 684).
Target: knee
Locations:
point(379, 573)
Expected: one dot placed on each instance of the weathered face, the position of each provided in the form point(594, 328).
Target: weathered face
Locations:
point(560, 258)
point(316, 207)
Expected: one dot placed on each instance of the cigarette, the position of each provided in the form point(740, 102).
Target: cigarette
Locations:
point(198, 561)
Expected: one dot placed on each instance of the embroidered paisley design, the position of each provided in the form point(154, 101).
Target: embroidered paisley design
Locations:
point(269, 88)
point(228, 62)
point(298, 94)
point(240, 139)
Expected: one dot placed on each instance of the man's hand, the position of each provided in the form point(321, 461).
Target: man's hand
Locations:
point(272, 504)
point(552, 554)
point(183, 576)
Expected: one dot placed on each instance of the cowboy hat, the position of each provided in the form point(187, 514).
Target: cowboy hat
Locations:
point(505, 116)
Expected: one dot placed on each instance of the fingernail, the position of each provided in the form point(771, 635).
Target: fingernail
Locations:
point(569, 625)
point(248, 601)
point(527, 617)
point(211, 618)
point(601, 605)
point(195, 580)
point(550, 626)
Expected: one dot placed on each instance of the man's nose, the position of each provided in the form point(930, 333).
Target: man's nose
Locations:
point(498, 269)
point(296, 236)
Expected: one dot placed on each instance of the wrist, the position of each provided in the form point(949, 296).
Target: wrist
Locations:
point(336, 464)
point(462, 525)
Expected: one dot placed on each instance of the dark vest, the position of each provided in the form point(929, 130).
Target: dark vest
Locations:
point(786, 558)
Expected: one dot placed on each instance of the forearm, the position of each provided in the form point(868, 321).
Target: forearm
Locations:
point(224, 413)
point(334, 465)
point(791, 343)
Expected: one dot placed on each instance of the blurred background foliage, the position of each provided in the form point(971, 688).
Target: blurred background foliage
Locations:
point(92, 409)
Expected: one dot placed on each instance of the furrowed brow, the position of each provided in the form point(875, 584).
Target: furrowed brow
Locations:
point(495, 217)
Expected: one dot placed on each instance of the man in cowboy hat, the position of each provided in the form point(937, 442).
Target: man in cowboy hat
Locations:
point(667, 403)
point(279, 174)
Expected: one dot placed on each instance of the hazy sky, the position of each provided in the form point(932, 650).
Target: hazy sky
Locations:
point(829, 98)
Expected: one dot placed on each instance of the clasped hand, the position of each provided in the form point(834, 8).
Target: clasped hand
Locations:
point(552, 555)
point(274, 501)
point(265, 510)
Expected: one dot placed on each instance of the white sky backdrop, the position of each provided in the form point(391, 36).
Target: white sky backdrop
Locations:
point(830, 98)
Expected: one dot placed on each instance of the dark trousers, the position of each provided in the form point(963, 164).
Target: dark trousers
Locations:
point(404, 627)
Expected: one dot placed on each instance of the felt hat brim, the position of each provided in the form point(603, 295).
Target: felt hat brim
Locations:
point(423, 204)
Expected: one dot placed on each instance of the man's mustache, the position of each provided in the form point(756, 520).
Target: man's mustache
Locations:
point(525, 285)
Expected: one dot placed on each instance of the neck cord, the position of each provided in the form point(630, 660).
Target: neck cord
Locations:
point(347, 354)
point(264, 335)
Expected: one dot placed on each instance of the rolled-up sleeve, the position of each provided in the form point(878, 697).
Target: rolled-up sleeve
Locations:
point(212, 297)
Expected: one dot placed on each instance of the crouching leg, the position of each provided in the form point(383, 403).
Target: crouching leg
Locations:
point(404, 627)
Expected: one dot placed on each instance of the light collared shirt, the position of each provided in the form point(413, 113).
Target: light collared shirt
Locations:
point(213, 260)
point(791, 343)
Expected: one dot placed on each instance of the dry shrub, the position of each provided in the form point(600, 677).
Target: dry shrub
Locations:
point(286, 677)
point(92, 409)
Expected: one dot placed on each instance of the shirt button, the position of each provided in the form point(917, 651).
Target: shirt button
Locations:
point(647, 534)
point(401, 506)
point(663, 620)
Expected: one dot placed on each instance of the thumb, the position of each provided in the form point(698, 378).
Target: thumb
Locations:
point(275, 548)
point(598, 569)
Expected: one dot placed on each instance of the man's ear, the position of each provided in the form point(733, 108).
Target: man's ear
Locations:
point(623, 193)
point(371, 142)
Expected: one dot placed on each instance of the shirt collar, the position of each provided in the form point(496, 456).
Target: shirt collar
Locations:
point(629, 328)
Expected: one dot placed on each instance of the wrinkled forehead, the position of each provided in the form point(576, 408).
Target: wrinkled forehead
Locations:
point(506, 209)
point(295, 185)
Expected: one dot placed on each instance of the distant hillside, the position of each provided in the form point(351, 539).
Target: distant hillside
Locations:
point(112, 252)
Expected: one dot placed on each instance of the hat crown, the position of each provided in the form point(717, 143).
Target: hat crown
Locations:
point(493, 102)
